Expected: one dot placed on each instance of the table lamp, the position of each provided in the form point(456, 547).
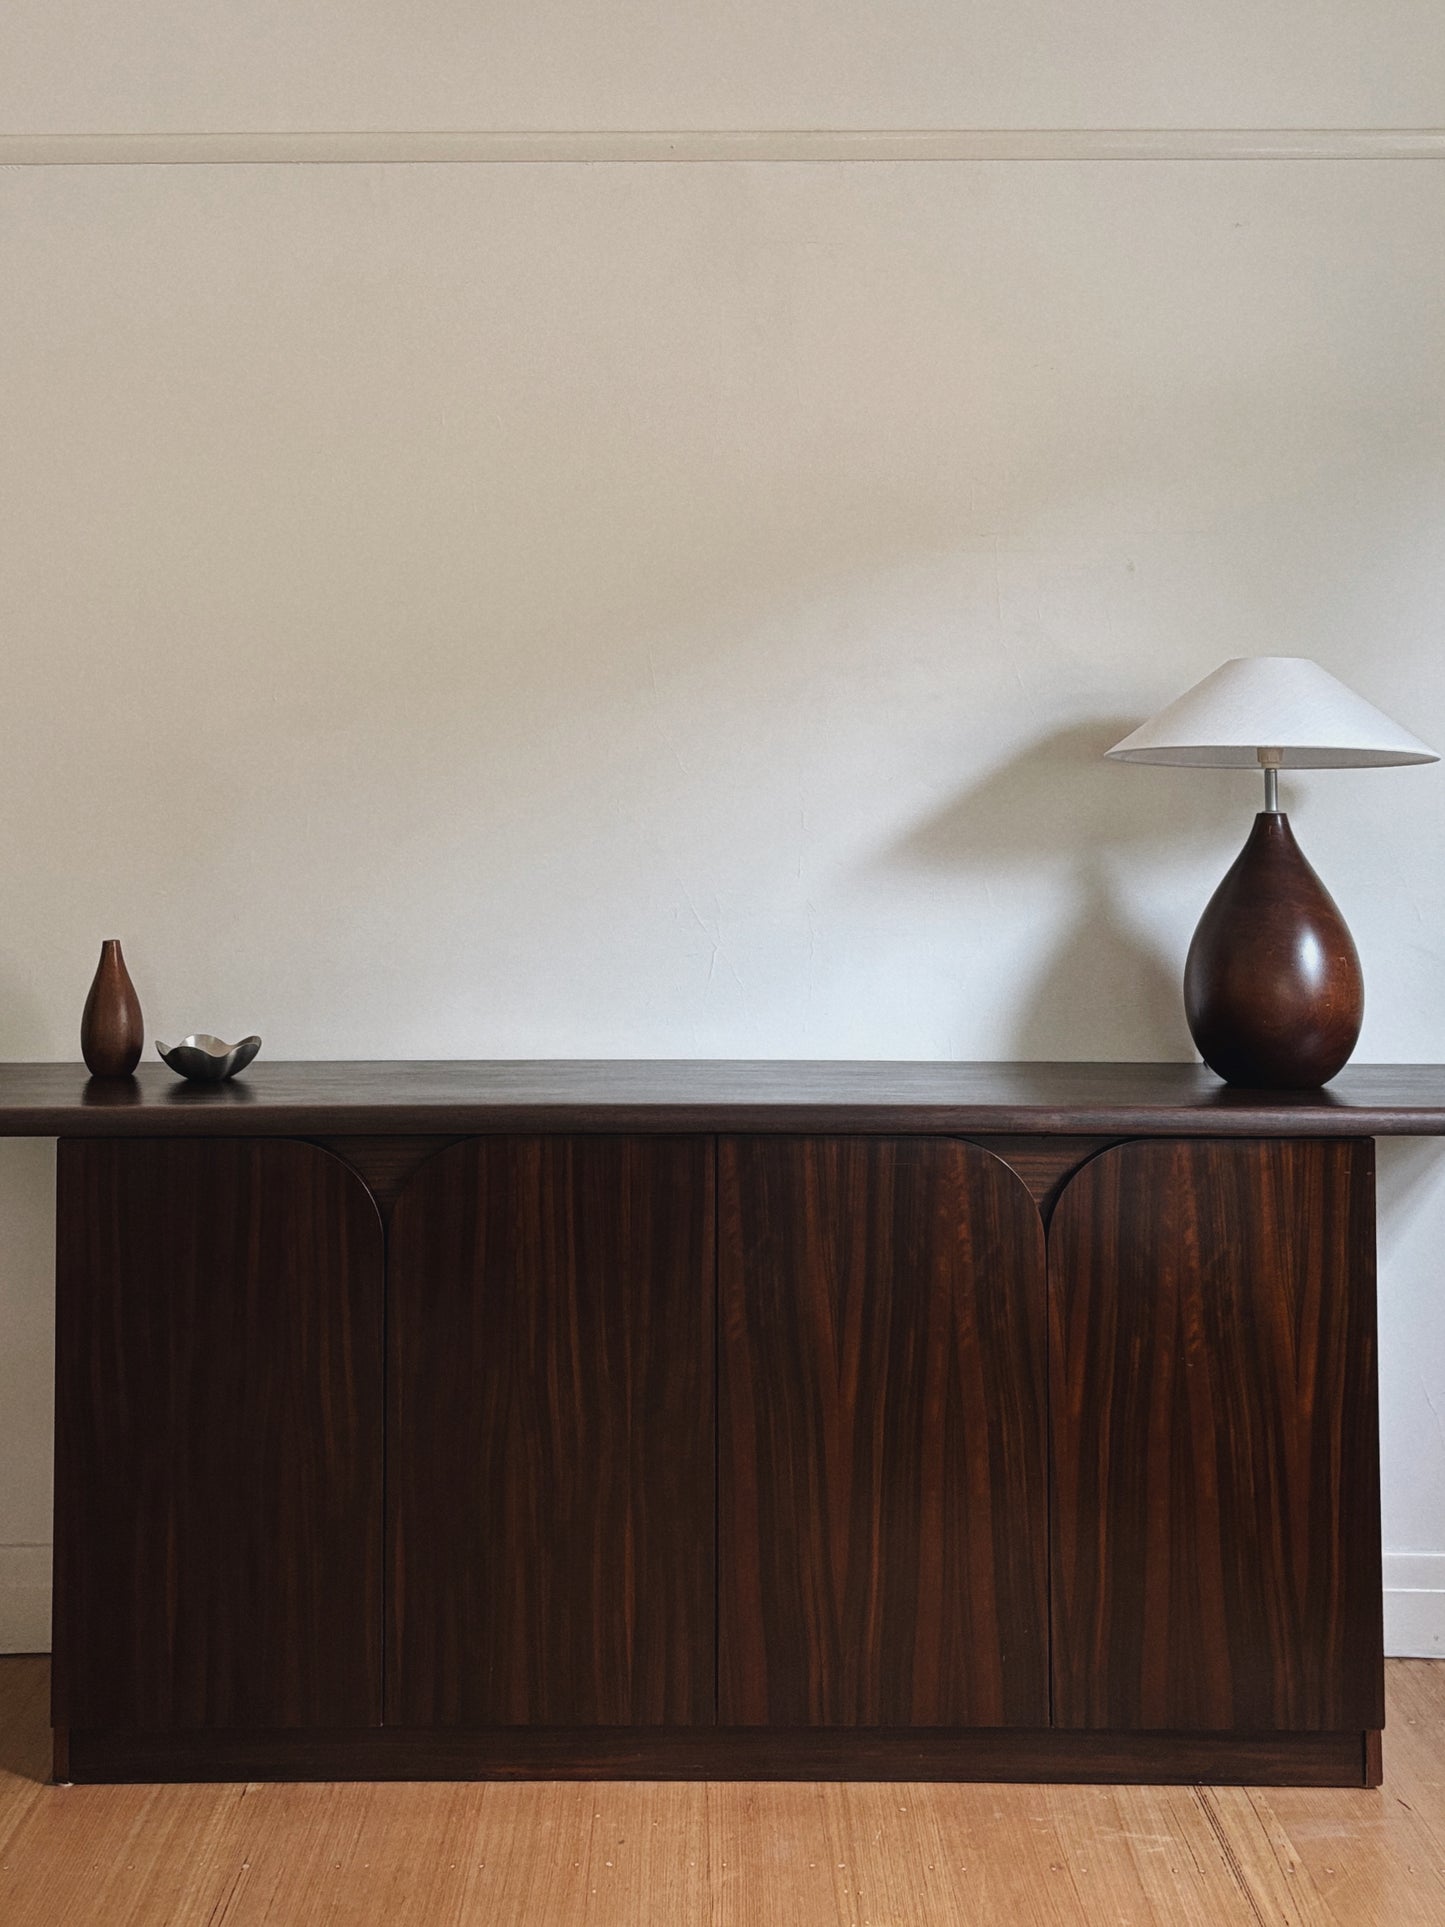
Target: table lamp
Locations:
point(1272, 984)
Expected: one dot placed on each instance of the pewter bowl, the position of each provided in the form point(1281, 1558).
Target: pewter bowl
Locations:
point(206, 1060)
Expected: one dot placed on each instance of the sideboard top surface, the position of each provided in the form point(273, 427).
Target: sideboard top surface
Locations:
point(458, 1097)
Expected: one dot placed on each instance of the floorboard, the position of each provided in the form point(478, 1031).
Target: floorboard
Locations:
point(685, 1854)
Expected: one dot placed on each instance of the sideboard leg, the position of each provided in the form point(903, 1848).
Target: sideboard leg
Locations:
point(1374, 1760)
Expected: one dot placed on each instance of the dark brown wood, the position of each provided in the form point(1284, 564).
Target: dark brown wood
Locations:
point(1215, 1474)
point(551, 1434)
point(112, 1033)
point(326, 1100)
point(549, 1560)
point(989, 1754)
point(384, 1163)
point(218, 1437)
point(1044, 1163)
point(1272, 983)
point(60, 1756)
point(1374, 1758)
point(882, 1511)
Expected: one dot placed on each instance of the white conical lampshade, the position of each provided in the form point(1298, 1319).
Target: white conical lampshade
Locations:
point(1286, 705)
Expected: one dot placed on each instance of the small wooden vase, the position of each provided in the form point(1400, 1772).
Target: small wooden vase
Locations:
point(112, 1033)
point(1272, 983)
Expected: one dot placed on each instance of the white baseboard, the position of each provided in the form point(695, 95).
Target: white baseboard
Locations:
point(1415, 1605)
point(24, 1599)
point(1414, 1602)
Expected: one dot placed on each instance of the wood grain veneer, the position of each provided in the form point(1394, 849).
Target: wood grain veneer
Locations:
point(1045, 1164)
point(991, 1754)
point(385, 1163)
point(1215, 1470)
point(326, 1100)
point(854, 1374)
point(218, 1461)
point(882, 1510)
point(550, 1455)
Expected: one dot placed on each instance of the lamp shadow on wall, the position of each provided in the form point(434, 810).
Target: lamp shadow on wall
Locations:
point(1105, 990)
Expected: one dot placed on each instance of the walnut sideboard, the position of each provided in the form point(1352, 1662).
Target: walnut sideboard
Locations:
point(881, 1421)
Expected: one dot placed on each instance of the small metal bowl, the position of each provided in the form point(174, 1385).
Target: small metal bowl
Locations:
point(206, 1060)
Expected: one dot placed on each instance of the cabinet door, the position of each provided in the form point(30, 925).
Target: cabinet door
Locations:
point(882, 1526)
point(1216, 1531)
point(550, 1434)
point(218, 1437)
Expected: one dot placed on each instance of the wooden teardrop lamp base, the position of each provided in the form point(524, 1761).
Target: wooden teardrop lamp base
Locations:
point(1272, 984)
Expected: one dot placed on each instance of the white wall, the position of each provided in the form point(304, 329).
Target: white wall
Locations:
point(677, 610)
point(90, 66)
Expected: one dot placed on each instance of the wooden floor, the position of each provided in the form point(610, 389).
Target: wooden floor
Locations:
point(689, 1855)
